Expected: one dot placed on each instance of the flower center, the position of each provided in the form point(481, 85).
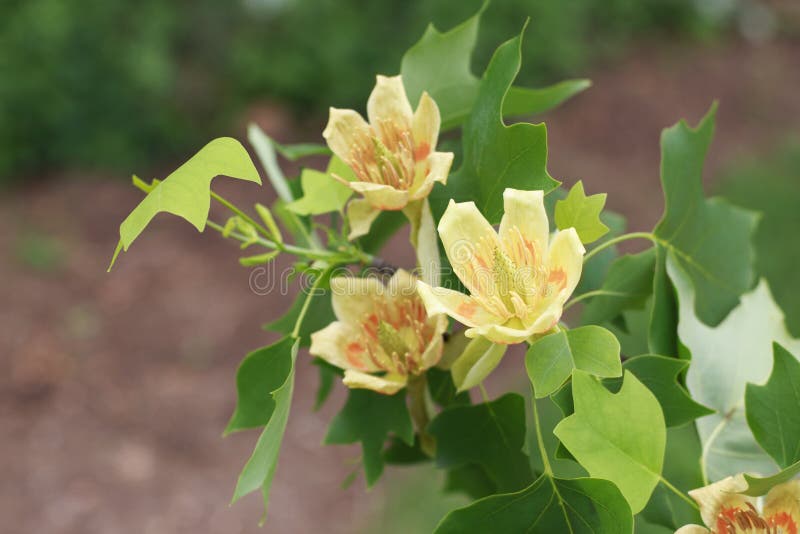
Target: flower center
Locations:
point(386, 156)
point(749, 521)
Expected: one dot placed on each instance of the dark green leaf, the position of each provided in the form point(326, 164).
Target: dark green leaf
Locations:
point(470, 479)
point(327, 375)
point(320, 314)
point(383, 228)
point(773, 412)
point(443, 390)
point(757, 486)
point(548, 506)
point(582, 213)
point(627, 285)
point(709, 238)
point(662, 337)
point(490, 435)
point(370, 417)
point(400, 452)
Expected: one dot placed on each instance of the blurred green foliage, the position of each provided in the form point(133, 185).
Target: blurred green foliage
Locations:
point(771, 185)
point(106, 84)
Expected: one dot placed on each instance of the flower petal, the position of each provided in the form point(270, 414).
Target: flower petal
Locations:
point(338, 345)
point(470, 243)
point(720, 496)
point(524, 228)
point(360, 214)
point(354, 298)
point(388, 384)
point(438, 168)
point(401, 285)
point(502, 334)
point(380, 196)
point(345, 129)
point(425, 127)
point(782, 506)
point(388, 102)
point(692, 529)
point(433, 352)
point(565, 263)
point(463, 308)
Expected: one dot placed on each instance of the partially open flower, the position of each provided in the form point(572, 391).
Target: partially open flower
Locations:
point(725, 511)
point(383, 334)
point(393, 156)
point(519, 278)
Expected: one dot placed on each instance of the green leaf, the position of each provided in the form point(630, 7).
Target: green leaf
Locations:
point(370, 417)
point(469, 479)
point(301, 150)
point(478, 360)
point(772, 409)
point(320, 314)
point(662, 327)
point(582, 213)
point(322, 193)
point(439, 63)
point(757, 486)
point(490, 435)
point(549, 505)
point(327, 375)
point(660, 375)
point(382, 229)
point(551, 360)
point(443, 389)
point(264, 147)
point(618, 437)
point(496, 156)
point(260, 468)
point(710, 239)
point(724, 359)
point(187, 191)
point(260, 374)
point(628, 284)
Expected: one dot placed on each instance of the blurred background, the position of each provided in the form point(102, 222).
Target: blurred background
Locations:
point(115, 388)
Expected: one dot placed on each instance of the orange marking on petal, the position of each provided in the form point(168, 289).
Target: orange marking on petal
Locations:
point(785, 521)
point(726, 516)
point(558, 277)
point(353, 351)
point(422, 151)
point(467, 309)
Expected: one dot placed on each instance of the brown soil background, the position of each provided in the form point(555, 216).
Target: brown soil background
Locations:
point(115, 388)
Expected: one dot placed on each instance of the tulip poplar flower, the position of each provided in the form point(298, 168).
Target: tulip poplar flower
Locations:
point(519, 277)
point(383, 337)
point(393, 156)
point(725, 511)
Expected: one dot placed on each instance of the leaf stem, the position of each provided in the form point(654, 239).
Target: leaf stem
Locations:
point(234, 209)
point(484, 393)
point(611, 242)
point(548, 470)
point(312, 292)
point(679, 493)
point(590, 294)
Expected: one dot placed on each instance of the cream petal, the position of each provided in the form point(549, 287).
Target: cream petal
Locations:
point(360, 215)
point(438, 165)
point(338, 345)
point(433, 352)
point(504, 335)
point(565, 263)
point(470, 243)
point(354, 298)
point(388, 384)
point(345, 129)
point(525, 217)
point(463, 308)
point(425, 126)
point(401, 285)
point(724, 493)
point(692, 529)
point(380, 196)
point(782, 504)
point(388, 102)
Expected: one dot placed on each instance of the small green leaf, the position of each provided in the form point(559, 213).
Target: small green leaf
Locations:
point(327, 375)
point(259, 259)
point(320, 314)
point(757, 486)
point(479, 358)
point(496, 156)
point(772, 409)
point(551, 360)
point(269, 222)
point(662, 327)
point(261, 373)
point(264, 147)
point(628, 283)
point(549, 505)
point(370, 417)
point(187, 191)
point(710, 239)
point(618, 437)
point(582, 213)
point(489, 435)
point(301, 150)
point(443, 389)
point(260, 468)
point(322, 193)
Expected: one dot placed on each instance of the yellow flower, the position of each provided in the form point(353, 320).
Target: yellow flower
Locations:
point(383, 334)
point(725, 511)
point(519, 278)
point(393, 156)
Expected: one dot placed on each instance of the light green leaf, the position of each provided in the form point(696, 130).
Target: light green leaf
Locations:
point(618, 437)
point(551, 360)
point(301, 150)
point(772, 409)
point(757, 486)
point(260, 468)
point(582, 213)
point(710, 239)
point(439, 63)
point(628, 284)
point(187, 191)
point(549, 505)
point(261, 373)
point(479, 358)
point(265, 150)
point(370, 417)
point(488, 435)
point(724, 359)
point(322, 193)
point(496, 156)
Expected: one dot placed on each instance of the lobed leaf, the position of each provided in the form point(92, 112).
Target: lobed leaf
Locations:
point(582, 213)
point(757, 486)
point(322, 193)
